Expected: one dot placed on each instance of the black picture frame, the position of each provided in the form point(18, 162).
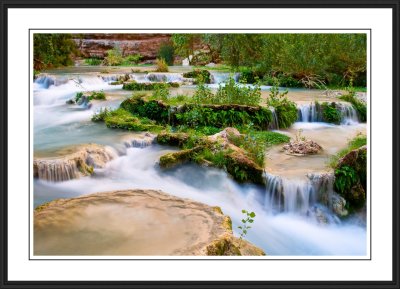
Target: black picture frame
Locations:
point(394, 5)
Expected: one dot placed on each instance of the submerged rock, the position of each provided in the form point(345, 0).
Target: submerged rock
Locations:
point(75, 164)
point(135, 223)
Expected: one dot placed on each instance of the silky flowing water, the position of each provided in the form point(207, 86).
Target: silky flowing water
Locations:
point(280, 229)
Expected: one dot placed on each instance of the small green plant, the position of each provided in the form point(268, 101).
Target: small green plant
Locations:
point(330, 113)
point(345, 178)
point(93, 61)
point(162, 65)
point(114, 57)
point(286, 110)
point(101, 115)
point(166, 51)
point(132, 59)
point(299, 136)
point(161, 92)
point(249, 219)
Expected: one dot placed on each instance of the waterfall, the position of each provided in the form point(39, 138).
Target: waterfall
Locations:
point(275, 123)
point(288, 195)
point(45, 81)
point(56, 170)
point(140, 142)
point(312, 112)
point(349, 114)
point(156, 77)
point(220, 77)
point(313, 196)
point(75, 165)
point(309, 112)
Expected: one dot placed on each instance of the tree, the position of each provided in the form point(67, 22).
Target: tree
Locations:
point(52, 50)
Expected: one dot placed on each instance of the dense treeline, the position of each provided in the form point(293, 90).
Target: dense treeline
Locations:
point(295, 59)
point(52, 50)
point(307, 59)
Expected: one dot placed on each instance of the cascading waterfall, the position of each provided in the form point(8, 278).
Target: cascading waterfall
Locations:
point(56, 170)
point(221, 77)
point(140, 142)
point(274, 123)
point(312, 112)
point(156, 77)
point(292, 196)
point(313, 196)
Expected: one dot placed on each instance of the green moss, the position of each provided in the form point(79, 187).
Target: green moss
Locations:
point(153, 109)
point(42, 207)
point(122, 119)
point(222, 247)
point(173, 139)
point(133, 85)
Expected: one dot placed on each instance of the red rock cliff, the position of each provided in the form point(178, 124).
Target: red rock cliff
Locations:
point(96, 45)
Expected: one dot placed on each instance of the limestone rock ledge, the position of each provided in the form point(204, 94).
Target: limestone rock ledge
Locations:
point(134, 223)
point(73, 164)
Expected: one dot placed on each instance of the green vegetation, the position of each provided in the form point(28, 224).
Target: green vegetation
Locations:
point(162, 65)
point(86, 97)
point(355, 143)
point(133, 85)
point(115, 57)
point(248, 219)
point(166, 52)
point(358, 105)
point(93, 61)
point(200, 75)
point(297, 60)
point(330, 113)
point(52, 50)
point(350, 167)
point(230, 93)
point(122, 119)
point(285, 110)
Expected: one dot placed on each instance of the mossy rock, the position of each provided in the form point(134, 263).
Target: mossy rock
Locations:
point(243, 169)
point(172, 159)
point(172, 139)
point(223, 247)
point(350, 177)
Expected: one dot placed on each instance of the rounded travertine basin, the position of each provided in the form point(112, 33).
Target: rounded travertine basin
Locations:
point(135, 222)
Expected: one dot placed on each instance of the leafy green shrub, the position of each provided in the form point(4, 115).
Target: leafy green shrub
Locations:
point(234, 93)
point(196, 116)
point(98, 95)
point(114, 57)
point(93, 61)
point(161, 92)
point(285, 110)
point(284, 80)
point(162, 65)
point(203, 94)
point(345, 178)
point(358, 105)
point(357, 142)
point(166, 51)
point(78, 96)
point(101, 115)
point(200, 75)
point(151, 109)
point(132, 59)
point(133, 85)
point(330, 113)
point(231, 93)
